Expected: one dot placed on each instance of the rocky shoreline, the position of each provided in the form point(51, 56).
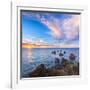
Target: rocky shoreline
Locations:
point(64, 69)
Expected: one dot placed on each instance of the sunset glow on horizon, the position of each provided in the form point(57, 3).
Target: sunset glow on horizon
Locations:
point(50, 28)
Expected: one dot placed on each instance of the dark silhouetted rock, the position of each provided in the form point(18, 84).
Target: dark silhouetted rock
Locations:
point(64, 52)
point(53, 52)
point(72, 57)
point(57, 60)
point(40, 71)
point(60, 54)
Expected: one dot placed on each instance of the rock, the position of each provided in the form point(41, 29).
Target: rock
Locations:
point(57, 50)
point(54, 72)
point(54, 52)
point(40, 71)
point(64, 52)
point(76, 70)
point(64, 62)
point(60, 50)
point(60, 54)
point(71, 69)
point(57, 60)
point(63, 69)
point(58, 66)
point(72, 57)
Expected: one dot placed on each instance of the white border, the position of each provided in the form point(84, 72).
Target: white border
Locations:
point(15, 63)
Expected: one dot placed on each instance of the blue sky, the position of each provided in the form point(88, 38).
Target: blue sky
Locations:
point(50, 28)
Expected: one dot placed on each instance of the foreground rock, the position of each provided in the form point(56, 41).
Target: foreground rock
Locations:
point(56, 72)
point(40, 71)
point(63, 69)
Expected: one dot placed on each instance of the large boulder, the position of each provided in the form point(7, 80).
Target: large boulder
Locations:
point(64, 62)
point(58, 66)
point(72, 69)
point(76, 69)
point(72, 57)
point(69, 69)
point(57, 72)
point(57, 60)
point(40, 71)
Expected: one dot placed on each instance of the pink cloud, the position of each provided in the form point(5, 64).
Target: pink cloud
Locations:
point(26, 40)
point(68, 30)
point(54, 27)
point(71, 27)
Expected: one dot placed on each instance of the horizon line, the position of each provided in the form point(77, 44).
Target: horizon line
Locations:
point(28, 45)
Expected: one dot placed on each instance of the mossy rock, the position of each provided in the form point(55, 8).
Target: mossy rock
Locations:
point(76, 70)
point(54, 72)
point(72, 69)
point(65, 62)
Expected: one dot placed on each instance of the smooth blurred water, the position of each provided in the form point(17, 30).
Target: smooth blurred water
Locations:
point(31, 58)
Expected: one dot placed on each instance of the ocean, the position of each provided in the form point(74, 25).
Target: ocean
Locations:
point(31, 58)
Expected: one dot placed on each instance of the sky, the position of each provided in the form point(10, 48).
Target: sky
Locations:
point(54, 28)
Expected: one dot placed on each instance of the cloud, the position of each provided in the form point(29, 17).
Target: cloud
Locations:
point(53, 26)
point(49, 21)
point(66, 28)
point(26, 40)
point(71, 27)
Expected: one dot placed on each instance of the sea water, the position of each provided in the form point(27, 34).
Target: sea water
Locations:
point(31, 58)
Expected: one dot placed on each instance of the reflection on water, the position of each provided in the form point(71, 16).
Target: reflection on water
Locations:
point(30, 55)
point(31, 58)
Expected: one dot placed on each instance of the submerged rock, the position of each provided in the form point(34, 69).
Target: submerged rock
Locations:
point(53, 52)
